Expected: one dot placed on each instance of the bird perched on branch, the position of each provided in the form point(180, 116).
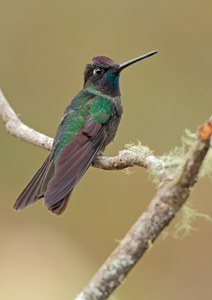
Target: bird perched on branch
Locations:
point(89, 124)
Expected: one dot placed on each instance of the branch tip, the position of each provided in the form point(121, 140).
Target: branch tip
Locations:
point(205, 131)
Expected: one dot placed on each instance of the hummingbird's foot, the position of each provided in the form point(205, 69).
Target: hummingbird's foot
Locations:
point(97, 157)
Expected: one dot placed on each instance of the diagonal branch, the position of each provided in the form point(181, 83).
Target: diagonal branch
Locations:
point(169, 198)
point(173, 190)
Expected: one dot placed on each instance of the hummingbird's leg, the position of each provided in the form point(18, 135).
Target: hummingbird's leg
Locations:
point(97, 157)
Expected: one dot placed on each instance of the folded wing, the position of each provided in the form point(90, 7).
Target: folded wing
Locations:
point(72, 163)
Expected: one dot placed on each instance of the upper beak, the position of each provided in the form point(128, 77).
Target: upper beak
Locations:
point(134, 60)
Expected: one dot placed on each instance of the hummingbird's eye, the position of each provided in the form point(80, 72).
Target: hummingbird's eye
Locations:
point(97, 71)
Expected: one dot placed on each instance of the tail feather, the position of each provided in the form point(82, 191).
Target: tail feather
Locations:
point(36, 187)
point(59, 207)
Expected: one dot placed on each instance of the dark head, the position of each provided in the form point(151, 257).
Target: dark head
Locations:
point(103, 74)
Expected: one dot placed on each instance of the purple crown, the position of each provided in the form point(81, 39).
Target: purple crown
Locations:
point(103, 60)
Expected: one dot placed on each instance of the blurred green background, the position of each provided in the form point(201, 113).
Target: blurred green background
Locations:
point(44, 48)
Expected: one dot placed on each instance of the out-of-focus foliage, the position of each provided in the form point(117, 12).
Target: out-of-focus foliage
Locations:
point(44, 48)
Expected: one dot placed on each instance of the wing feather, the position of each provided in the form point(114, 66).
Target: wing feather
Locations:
point(73, 162)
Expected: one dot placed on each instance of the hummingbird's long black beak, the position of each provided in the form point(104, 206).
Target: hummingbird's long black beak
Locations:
point(134, 60)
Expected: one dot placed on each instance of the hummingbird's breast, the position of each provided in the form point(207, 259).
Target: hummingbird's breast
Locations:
point(113, 123)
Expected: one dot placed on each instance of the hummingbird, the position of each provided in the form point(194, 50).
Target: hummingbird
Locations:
point(89, 124)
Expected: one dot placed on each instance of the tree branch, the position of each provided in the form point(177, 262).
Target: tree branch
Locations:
point(15, 127)
point(169, 198)
point(173, 190)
